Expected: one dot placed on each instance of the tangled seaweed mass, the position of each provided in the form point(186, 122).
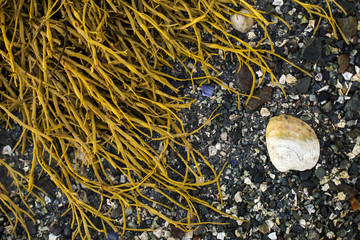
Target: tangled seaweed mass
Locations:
point(86, 77)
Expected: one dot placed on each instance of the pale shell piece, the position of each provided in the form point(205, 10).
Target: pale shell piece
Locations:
point(292, 144)
point(242, 23)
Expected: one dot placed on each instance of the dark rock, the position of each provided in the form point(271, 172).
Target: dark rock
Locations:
point(112, 236)
point(55, 229)
point(312, 50)
point(324, 211)
point(305, 175)
point(177, 232)
point(244, 78)
point(116, 212)
point(67, 231)
point(327, 107)
point(320, 172)
point(354, 170)
point(341, 233)
point(303, 84)
point(309, 184)
point(31, 227)
point(353, 104)
point(350, 191)
point(347, 5)
point(323, 96)
point(343, 62)
point(348, 26)
point(259, 178)
point(297, 229)
point(357, 184)
point(357, 59)
point(48, 186)
point(264, 94)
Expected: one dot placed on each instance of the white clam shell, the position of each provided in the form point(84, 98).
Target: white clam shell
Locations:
point(292, 144)
point(242, 23)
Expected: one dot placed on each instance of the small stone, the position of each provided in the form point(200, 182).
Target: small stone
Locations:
point(341, 196)
point(320, 172)
point(224, 136)
point(112, 236)
point(264, 229)
point(177, 232)
point(251, 35)
point(318, 77)
point(53, 237)
point(265, 96)
point(347, 76)
point(278, 2)
point(237, 197)
point(31, 227)
point(263, 187)
point(343, 62)
point(116, 212)
point(310, 208)
point(341, 233)
point(244, 78)
point(7, 150)
point(67, 231)
point(290, 79)
point(221, 235)
point(212, 151)
point(242, 23)
point(144, 236)
point(128, 211)
point(312, 50)
point(303, 84)
point(348, 26)
point(264, 112)
point(327, 107)
point(272, 236)
point(247, 181)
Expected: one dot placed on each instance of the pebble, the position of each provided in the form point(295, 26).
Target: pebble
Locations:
point(343, 62)
point(31, 227)
point(144, 236)
point(53, 237)
point(237, 197)
point(312, 50)
point(290, 79)
point(303, 84)
point(265, 96)
point(327, 107)
point(348, 26)
point(242, 23)
point(212, 151)
point(264, 229)
point(221, 235)
point(272, 236)
point(347, 76)
point(177, 232)
point(341, 196)
point(116, 212)
point(244, 78)
point(264, 112)
point(7, 150)
point(112, 236)
point(278, 2)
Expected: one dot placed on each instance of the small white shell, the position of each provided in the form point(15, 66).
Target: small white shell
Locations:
point(292, 144)
point(242, 23)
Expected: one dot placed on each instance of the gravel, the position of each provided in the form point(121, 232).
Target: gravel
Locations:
point(315, 204)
